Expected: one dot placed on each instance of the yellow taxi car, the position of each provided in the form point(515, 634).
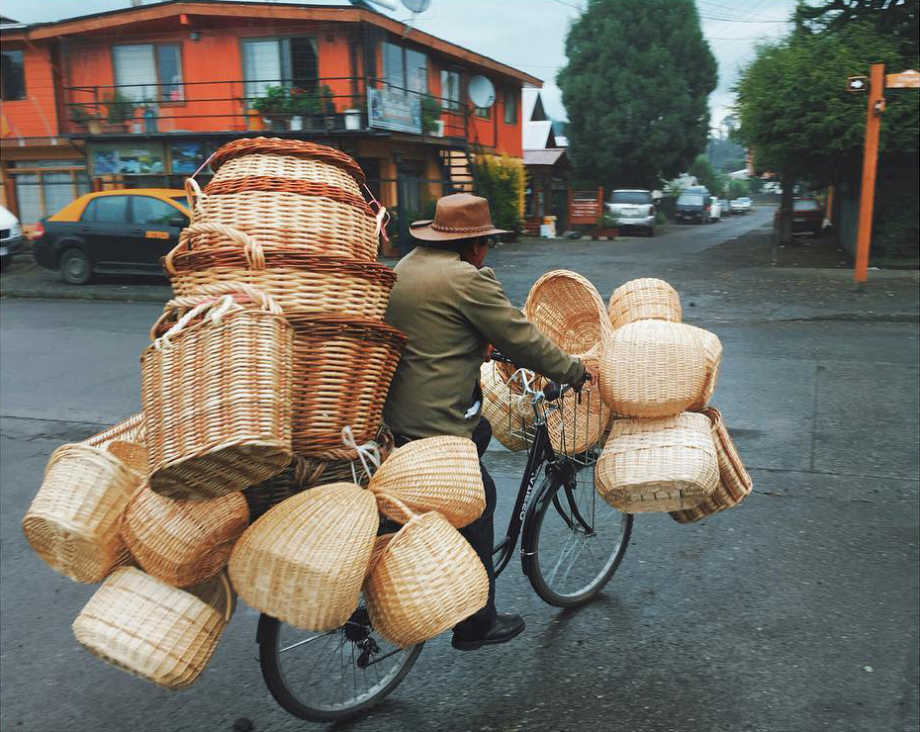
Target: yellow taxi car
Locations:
point(111, 232)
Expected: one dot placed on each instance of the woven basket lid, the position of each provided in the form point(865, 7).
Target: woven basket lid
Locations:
point(296, 148)
point(642, 299)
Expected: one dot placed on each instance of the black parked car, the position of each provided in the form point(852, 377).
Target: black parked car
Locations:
point(694, 205)
point(114, 232)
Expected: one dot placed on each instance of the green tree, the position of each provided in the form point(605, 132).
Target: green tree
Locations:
point(706, 175)
point(894, 18)
point(799, 120)
point(636, 90)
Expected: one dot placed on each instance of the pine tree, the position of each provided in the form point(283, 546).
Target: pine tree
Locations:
point(636, 90)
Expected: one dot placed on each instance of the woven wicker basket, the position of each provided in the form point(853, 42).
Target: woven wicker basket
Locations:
point(129, 430)
point(644, 299)
point(216, 392)
point(653, 465)
point(735, 482)
point(342, 372)
point(651, 368)
point(74, 520)
point(296, 281)
point(183, 542)
point(304, 561)
point(292, 152)
point(580, 421)
point(290, 167)
point(712, 347)
point(427, 578)
point(434, 474)
point(149, 629)
point(568, 309)
point(509, 415)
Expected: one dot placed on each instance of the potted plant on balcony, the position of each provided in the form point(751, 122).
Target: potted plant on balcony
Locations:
point(85, 119)
point(327, 107)
point(119, 112)
point(275, 107)
point(432, 124)
point(606, 226)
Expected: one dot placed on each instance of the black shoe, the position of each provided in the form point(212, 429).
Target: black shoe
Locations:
point(503, 630)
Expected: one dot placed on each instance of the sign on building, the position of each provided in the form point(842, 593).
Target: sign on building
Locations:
point(398, 112)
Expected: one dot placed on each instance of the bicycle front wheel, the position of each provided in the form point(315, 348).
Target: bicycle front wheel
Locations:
point(572, 558)
point(331, 675)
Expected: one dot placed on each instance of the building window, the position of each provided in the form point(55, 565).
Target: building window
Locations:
point(291, 62)
point(405, 70)
point(450, 90)
point(483, 112)
point(149, 73)
point(511, 107)
point(13, 77)
point(43, 192)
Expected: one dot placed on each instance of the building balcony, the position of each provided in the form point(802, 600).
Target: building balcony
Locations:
point(333, 106)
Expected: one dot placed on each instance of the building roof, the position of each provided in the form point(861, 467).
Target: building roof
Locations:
point(538, 135)
point(549, 156)
point(109, 21)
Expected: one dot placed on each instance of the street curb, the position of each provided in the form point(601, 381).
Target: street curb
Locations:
point(32, 294)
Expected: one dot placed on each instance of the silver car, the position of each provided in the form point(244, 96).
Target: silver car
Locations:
point(634, 209)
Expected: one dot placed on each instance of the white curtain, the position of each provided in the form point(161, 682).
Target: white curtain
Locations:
point(136, 65)
point(261, 66)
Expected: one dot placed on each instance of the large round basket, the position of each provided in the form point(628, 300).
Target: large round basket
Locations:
point(434, 474)
point(510, 415)
point(304, 561)
point(183, 542)
point(568, 309)
point(652, 368)
point(296, 280)
point(216, 386)
point(74, 520)
point(712, 347)
point(644, 299)
point(426, 579)
point(295, 156)
point(149, 629)
point(654, 465)
point(342, 372)
point(735, 482)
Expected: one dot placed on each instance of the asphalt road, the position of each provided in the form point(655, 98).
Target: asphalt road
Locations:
point(797, 611)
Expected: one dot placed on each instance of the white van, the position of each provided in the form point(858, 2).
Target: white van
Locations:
point(10, 237)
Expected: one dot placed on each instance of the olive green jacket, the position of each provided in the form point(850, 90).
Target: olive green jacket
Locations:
point(451, 312)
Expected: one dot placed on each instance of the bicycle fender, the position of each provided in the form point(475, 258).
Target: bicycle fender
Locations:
point(544, 494)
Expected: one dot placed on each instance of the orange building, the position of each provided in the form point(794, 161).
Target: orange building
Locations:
point(142, 96)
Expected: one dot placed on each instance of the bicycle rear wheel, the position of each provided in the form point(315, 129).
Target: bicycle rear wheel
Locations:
point(568, 565)
point(332, 675)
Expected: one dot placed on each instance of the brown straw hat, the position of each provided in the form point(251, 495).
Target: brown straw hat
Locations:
point(460, 216)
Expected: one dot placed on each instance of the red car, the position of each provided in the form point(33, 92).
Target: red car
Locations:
point(807, 215)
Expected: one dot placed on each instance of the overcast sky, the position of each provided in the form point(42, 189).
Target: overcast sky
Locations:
point(527, 34)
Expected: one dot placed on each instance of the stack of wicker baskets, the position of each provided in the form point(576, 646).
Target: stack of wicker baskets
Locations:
point(670, 453)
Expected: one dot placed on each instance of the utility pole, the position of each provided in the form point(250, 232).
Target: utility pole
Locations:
point(875, 106)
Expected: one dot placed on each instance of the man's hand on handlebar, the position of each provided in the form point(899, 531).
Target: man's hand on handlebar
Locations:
point(590, 376)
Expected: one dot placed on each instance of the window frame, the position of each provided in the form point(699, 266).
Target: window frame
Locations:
point(158, 83)
point(22, 71)
point(513, 96)
point(483, 112)
point(448, 104)
point(404, 87)
point(285, 66)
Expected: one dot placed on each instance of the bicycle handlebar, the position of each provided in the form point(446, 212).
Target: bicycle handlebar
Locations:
point(552, 390)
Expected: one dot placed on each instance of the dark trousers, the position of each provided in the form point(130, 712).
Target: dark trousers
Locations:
point(481, 536)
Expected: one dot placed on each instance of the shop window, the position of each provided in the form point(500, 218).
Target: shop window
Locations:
point(450, 90)
point(147, 72)
point(405, 70)
point(291, 62)
point(13, 77)
point(45, 192)
point(28, 198)
point(511, 107)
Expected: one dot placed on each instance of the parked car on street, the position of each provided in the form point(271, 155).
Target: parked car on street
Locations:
point(10, 237)
point(807, 215)
point(741, 205)
point(634, 209)
point(694, 204)
point(715, 209)
point(111, 232)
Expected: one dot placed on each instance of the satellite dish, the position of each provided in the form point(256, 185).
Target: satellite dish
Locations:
point(481, 91)
point(417, 6)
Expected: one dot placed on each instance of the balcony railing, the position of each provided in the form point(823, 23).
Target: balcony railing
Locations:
point(225, 106)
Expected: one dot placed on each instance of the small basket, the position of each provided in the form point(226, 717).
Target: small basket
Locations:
point(74, 520)
point(342, 372)
point(426, 579)
point(183, 542)
point(644, 299)
point(296, 281)
point(576, 422)
point(216, 391)
point(129, 430)
point(510, 415)
point(567, 309)
point(735, 482)
point(154, 631)
point(304, 561)
point(651, 368)
point(658, 465)
point(712, 347)
point(434, 474)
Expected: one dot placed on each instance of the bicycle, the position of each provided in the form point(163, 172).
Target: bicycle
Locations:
point(350, 669)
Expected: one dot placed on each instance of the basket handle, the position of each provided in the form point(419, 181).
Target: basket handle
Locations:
point(380, 546)
point(401, 513)
point(228, 590)
point(252, 249)
point(194, 194)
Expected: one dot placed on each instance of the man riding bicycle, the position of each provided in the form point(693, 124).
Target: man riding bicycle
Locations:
point(452, 308)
